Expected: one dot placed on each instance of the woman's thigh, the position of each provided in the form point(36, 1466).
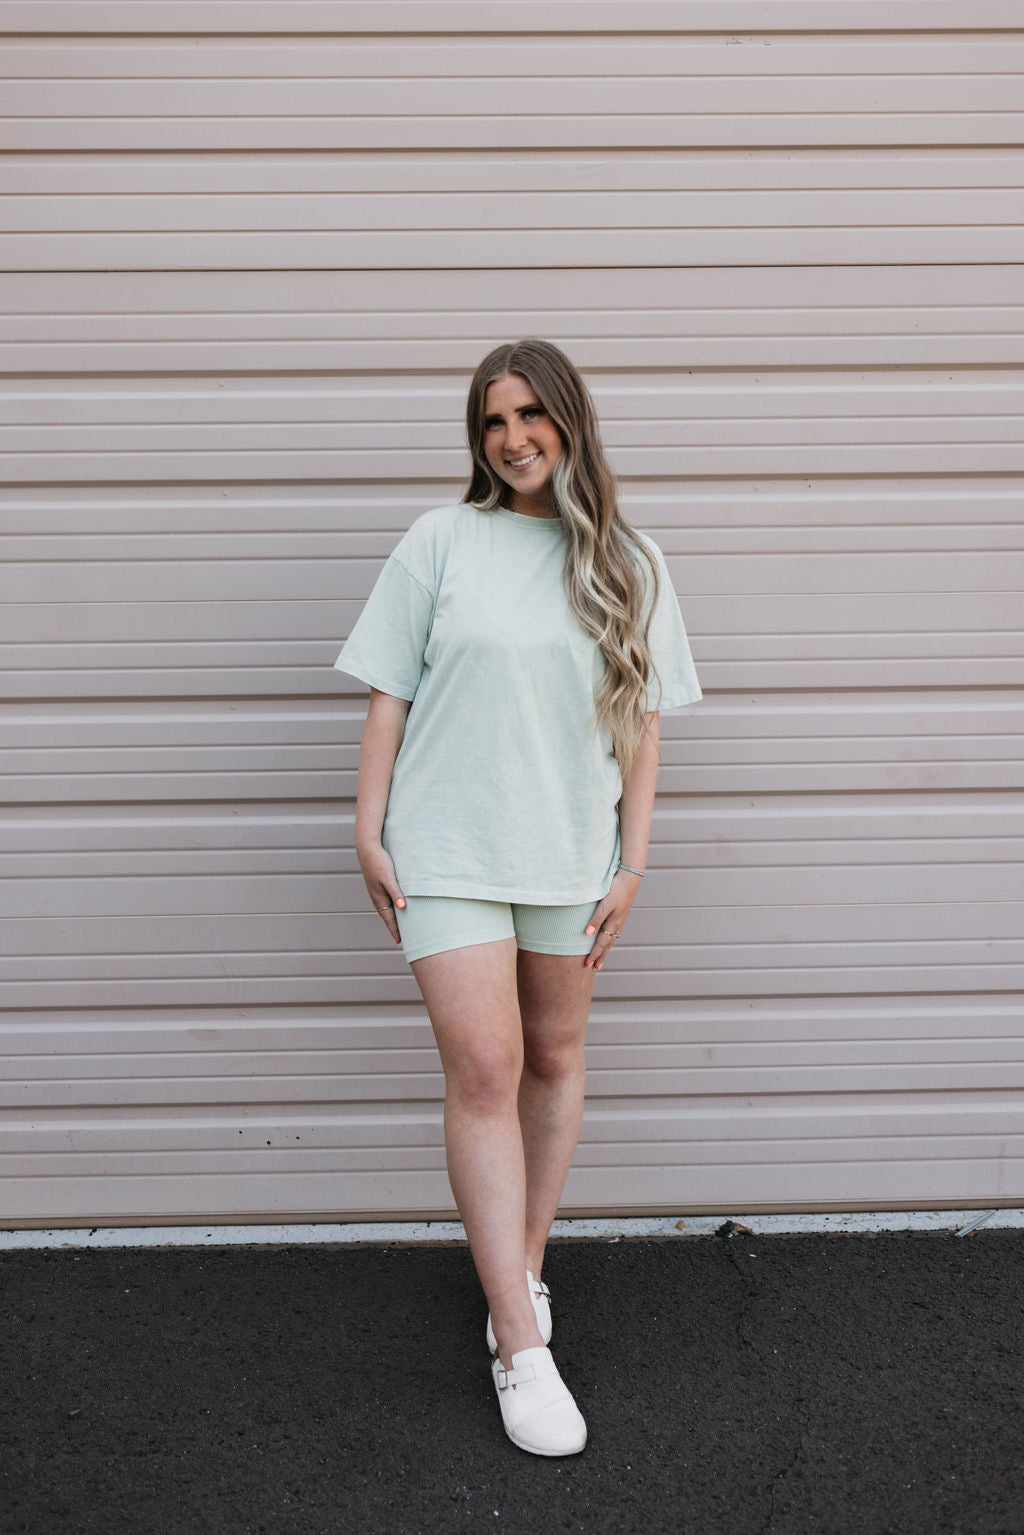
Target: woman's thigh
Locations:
point(555, 985)
point(555, 993)
point(472, 1001)
point(463, 955)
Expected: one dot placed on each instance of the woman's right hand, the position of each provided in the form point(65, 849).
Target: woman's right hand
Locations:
point(382, 884)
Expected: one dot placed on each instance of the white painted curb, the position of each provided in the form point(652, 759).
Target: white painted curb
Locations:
point(960, 1222)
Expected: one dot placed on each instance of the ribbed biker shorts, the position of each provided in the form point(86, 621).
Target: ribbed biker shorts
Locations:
point(430, 923)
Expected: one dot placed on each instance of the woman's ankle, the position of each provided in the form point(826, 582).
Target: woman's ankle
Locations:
point(513, 1339)
point(514, 1320)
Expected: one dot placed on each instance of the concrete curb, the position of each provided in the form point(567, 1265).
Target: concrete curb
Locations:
point(961, 1222)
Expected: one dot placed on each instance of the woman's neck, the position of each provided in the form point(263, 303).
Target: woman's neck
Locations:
point(533, 506)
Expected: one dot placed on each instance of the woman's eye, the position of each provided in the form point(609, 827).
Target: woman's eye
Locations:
point(492, 422)
point(531, 410)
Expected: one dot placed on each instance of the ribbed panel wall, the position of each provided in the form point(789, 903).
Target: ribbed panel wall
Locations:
point(246, 276)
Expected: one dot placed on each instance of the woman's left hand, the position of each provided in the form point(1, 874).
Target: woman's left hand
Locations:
point(610, 915)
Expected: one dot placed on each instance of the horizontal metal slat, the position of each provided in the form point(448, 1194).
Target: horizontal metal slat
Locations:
point(262, 214)
point(465, 17)
point(811, 125)
point(680, 54)
point(642, 248)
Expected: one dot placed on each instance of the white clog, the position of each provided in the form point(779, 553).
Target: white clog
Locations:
point(537, 1408)
point(541, 1297)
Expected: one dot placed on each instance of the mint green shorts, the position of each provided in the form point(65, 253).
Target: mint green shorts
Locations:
point(430, 923)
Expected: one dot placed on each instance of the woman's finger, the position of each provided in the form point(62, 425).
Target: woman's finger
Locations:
point(388, 914)
point(597, 954)
point(397, 899)
point(385, 901)
point(599, 951)
point(608, 935)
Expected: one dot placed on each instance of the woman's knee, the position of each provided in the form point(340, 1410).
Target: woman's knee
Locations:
point(553, 1057)
point(485, 1079)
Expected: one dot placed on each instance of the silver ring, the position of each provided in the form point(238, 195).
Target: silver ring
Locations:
point(609, 934)
point(382, 908)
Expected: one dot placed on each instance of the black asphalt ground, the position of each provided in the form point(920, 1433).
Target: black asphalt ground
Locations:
point(736, 1384)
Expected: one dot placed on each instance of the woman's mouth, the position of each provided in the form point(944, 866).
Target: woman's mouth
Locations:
point(522, 463)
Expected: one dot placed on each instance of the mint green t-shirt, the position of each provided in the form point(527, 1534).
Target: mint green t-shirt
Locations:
point(502, 789)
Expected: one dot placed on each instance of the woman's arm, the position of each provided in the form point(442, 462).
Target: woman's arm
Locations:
point(637, 803)
point(382, 737)
point(636, 807)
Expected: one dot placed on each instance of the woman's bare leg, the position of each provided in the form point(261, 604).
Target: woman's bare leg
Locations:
point(555, 993)
point(472, 1001)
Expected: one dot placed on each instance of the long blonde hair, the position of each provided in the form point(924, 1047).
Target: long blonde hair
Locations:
point(604, 584)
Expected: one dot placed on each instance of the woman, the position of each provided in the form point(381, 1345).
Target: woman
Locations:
point(518, 647)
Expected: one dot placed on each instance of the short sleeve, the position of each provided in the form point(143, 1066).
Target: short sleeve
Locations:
point(385, 648)
point(675, 683)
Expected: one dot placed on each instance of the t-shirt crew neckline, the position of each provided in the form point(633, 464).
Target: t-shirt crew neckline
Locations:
point(523, 519)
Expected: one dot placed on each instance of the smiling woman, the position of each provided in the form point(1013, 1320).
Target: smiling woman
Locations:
point(522, 444)
point(518, 646)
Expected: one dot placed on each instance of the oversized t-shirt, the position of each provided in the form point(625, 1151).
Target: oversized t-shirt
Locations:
point(502, 789)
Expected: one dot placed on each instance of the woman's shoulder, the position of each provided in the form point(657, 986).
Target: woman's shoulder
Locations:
point(652, 581)
point(650, 542)
point(646, 542)
point(438, 520)
point(424, 546)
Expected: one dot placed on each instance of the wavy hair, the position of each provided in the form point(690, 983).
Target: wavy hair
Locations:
point(604, 583)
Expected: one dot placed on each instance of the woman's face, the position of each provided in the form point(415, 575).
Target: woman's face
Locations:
point(521, 443)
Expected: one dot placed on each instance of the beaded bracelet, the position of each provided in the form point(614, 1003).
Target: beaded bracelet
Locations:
point(631, 871)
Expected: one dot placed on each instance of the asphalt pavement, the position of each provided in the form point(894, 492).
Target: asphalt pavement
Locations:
point(741, 1384)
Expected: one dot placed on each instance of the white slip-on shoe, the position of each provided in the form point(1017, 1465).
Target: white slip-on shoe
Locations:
point(537, 1408)
point(541, 1297)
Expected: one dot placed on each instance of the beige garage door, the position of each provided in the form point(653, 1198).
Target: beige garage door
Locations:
point(247, 275)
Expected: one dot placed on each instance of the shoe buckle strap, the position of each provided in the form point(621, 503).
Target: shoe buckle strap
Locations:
point(518, 1377)
point(540, 1288)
